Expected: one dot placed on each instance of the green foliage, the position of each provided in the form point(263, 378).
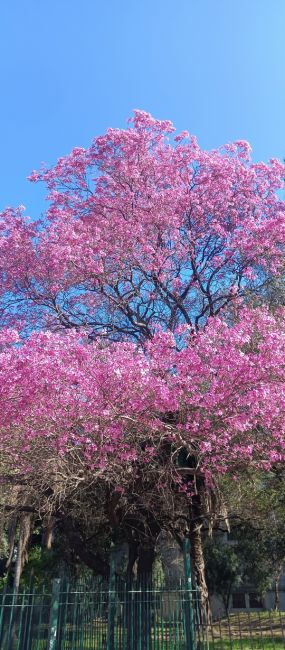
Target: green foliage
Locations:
point(223, 569)
point(255, 558)
point(42, 565)
point(255, 554)
point(256, 506)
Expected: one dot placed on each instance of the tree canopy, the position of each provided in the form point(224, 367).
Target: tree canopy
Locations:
point(128, 333)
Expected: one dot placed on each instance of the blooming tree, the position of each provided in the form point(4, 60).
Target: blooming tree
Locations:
point(143, 229)
point(124, 318)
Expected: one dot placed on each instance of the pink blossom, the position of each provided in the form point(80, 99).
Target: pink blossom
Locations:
point(115, 307)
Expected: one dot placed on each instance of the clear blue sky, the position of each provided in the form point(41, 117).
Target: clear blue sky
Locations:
point(71, 68)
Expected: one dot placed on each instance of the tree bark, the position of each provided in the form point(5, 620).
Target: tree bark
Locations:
point(24, 536)
point(145, 566)
point(48, 532)
point(199, 568)
point(276, 591)
point(197, 551)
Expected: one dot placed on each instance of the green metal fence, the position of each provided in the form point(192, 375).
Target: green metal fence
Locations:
point(95, 615)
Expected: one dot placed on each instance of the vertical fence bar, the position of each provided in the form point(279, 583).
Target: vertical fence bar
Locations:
point(54, 611)
point(39, 622)
point(74, 614)
point(24, 618)
point(3, 612)
point(271, 630)
point(111, 606)
point(140, 606)
point(20, 619)
point(30, 608)
point(62, 619)
point(132, 618)
point(189, 619)
point(11, 628)
point(281, 627)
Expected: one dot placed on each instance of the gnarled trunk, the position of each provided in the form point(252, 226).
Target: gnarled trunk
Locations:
point(48, 532)
point(24, 536)
point(197, 552)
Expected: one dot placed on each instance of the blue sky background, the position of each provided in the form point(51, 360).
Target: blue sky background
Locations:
point(71, 68)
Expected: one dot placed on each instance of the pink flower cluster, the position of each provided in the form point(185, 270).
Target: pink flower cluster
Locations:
point(113, 305)
point(227, 382)
point(148, 220)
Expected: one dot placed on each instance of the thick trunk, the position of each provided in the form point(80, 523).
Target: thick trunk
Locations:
point(12, 529)
point(276, 591)
point(133, 556)
point(146, 557)
point(130, 587)
point(24, 536)
point(197, 552)
point(199, 568)
point(139, 609)
point(48, 533)
point(144, 604)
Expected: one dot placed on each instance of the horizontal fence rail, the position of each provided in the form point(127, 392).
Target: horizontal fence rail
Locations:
point(95, 614)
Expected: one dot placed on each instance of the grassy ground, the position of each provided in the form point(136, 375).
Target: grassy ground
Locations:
point(245, 644)
point(247, 631)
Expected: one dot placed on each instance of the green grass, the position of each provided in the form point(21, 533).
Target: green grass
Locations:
point(245, 644)
point(244, 631)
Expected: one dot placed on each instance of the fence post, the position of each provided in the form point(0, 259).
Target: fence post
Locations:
point(189, 619)
point(111, 605)
point(2, 610)
point(54, 611)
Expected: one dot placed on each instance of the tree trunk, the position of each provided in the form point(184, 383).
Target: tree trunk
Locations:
point(129, 603)
point(24, 536)
point(48, 533)
point(138, 609)
point(12, 529)
point(146, 556)
point(276, 591)
point(199, 568)
point(144, 577)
